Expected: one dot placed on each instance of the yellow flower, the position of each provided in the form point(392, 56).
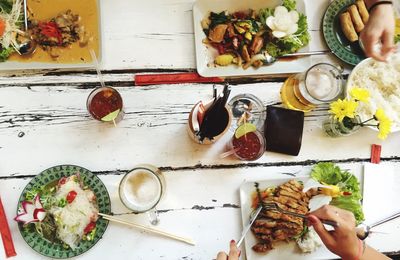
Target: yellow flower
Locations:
point(360, 94)
point(384, 123)
point(343, 108)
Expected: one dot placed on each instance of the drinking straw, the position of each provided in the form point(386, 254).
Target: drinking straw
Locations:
point(97, 66)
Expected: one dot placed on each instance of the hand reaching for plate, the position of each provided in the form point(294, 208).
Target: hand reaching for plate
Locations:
point(343, 240)
point(379, 29)
point(234, 252)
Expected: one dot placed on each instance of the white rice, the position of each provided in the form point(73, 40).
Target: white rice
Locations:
point(382, 79)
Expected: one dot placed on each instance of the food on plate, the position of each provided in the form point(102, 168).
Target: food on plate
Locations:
point(342, 186)
point(381, 79)
point(347, 27)
point(246, 38)
point(60, 31)
point(273, 226)
point(363, 10)
point(356, 18)
point(353, 19)
point(328, 185)
point(64, 33)
point(64, 211)
point(10, 16)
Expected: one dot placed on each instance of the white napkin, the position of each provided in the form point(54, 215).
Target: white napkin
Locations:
point(381, 192)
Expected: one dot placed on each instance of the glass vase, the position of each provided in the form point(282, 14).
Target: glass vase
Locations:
point(348, 126)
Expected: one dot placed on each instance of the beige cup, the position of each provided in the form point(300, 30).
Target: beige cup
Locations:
point(193, 135)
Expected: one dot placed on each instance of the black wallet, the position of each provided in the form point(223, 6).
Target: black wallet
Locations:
point(284, 130)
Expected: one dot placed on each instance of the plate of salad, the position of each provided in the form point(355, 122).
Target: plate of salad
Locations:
point(275, 236)
point(234, 38)
point(57, 212)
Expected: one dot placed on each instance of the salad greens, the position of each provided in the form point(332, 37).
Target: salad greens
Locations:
point(291, 43)
point(331, 174)
point(6, 5)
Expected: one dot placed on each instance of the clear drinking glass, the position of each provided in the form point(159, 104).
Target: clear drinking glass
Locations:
point(105, 104)
point(322, 83)
point(142, 189)
point(248, 147)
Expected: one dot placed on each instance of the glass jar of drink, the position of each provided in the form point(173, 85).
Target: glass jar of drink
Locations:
point(320, 84)
point(105, 104)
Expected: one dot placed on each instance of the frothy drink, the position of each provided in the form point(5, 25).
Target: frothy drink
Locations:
point(140, 190)
point(322, 85)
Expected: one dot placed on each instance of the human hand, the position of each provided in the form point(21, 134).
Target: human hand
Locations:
point(379, 29)
point(343, 240)
point(234, 252)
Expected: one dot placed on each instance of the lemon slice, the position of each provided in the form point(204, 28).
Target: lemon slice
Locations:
point(244, 129)
point(111, 116)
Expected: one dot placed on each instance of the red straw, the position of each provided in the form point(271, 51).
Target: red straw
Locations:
point(376, 153)
point(6, 234)
point(174, 78)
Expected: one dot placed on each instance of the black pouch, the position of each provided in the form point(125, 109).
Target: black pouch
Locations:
point(284, 130)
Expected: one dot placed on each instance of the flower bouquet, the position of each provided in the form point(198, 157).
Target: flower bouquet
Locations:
point(344, 119)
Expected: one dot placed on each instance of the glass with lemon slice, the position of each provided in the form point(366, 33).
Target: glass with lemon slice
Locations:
point(105, 104)
point(247, 143)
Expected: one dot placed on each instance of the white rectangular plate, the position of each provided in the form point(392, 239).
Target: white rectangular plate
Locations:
point(15, 65)
point(205, 54)
point(287, 251)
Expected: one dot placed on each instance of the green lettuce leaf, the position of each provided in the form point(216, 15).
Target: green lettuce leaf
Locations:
point(6, 5)
point(5, 53)
point(331, 174)
point(289, 4)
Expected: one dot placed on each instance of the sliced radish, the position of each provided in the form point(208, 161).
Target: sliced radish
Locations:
point(31, 212)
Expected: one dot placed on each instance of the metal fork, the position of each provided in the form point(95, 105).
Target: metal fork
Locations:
point(274, 206)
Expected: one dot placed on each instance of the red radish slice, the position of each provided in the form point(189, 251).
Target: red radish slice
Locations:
point(32, 212)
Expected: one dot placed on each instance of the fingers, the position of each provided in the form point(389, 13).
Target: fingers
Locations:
point(369, 40)
point(222, 256)
point(234, 251)
point(325, 235)
point(387, 44)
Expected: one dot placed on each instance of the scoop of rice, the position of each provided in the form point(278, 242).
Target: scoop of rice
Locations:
point(382, 79)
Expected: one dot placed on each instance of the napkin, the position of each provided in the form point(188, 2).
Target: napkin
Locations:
point(381, 192)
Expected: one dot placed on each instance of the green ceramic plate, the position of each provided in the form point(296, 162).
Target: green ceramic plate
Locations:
point(55, 250)
point(334, 37)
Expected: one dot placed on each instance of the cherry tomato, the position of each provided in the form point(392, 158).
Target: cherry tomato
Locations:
point(89, 227)
point(71, 196)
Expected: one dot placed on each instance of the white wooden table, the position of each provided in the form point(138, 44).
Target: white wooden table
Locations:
point(44, 122)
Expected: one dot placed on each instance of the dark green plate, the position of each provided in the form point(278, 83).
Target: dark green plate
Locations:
point(56, 250)
point(334, 37)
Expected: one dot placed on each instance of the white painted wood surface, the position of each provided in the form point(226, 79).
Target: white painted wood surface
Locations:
point(44, 122)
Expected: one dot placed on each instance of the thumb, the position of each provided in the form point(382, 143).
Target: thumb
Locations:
point(324, 234)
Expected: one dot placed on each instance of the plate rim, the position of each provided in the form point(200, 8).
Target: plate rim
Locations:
point(44, 172)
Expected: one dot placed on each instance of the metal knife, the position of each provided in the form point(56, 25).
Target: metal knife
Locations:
point(247, 228)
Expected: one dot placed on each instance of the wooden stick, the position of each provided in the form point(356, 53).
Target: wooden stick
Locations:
point(149, 229)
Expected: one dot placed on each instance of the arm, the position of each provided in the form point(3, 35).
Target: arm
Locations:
point(379, 28)
point(343, 240)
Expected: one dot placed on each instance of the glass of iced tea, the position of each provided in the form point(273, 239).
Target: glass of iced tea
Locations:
point(321, 83)
point(105, 104)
